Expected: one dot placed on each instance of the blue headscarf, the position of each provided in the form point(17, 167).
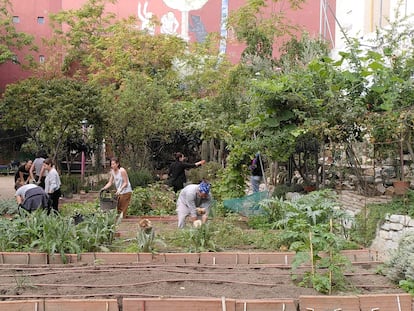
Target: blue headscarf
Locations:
point(204, 187)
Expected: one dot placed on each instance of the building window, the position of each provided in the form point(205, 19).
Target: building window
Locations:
point(16, 19)
point(15, 60)
point(41, 59)
point(40, 20)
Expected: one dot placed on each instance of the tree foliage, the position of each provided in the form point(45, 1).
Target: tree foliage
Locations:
point(51, 111)
point(254, 26)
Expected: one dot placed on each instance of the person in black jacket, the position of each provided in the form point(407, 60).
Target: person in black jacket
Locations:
point(176, 173)
point(256, 169)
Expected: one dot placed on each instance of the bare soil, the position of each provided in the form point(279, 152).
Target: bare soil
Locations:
point(137, 280)
point(166, 280)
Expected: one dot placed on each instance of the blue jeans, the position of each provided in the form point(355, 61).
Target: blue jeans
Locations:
point(255, 181)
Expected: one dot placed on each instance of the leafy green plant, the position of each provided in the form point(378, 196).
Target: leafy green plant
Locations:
point(401, 265)
point(312, 225)
point(197, 239)
point(8, 207)
point(209, 171)
point(156, 199)
point(97, 230)
point(70, 183)
point(140, 178)
point(23, 281)
point(407, 285)
point(75, 208)
point(145, 238)
point(57, 236)
point(327, 272)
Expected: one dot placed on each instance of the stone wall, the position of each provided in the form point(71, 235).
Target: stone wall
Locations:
point(389, 234)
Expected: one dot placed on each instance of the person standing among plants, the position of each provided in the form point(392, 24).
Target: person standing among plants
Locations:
point(37, 171)
point(176, 174)
point(194, 201)
point(52, 184)
point(119, 177)
point(256, 169)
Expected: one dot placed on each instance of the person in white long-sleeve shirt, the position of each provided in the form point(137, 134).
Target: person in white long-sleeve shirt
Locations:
point(52, 184)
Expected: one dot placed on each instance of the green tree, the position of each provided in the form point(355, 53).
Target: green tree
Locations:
point(135, 70)
point(259, 30)
point(51, 111)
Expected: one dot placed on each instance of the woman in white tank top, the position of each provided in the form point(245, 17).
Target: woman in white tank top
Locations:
point(119, 177)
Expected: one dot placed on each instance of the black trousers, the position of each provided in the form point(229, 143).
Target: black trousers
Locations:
point(54, 200)
point(41, 182)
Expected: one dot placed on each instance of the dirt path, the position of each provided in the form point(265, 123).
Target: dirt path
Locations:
point(7, 187)
point(140, 280)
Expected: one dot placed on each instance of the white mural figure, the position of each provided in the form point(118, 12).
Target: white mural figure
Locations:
point(185, 6)
point(145, 18)
point(169, 24)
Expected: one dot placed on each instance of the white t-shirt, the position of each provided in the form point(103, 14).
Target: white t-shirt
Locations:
point(23, 189)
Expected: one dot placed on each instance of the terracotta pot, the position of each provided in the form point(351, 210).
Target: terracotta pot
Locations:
point(309, 188)
point(401, 187)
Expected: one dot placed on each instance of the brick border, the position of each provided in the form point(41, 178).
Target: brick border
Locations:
point(388, 302)
point(205, 258)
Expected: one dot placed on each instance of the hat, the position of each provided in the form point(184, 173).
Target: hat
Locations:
point(204, 187)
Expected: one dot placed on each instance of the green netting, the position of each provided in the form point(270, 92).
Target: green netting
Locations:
point(248, 205)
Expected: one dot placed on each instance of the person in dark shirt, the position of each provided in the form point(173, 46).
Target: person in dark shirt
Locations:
point(256, 168)
point(176, 173)
point(23, 173)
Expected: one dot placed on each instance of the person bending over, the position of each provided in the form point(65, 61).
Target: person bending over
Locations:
point(30, 197)
point(194, 201)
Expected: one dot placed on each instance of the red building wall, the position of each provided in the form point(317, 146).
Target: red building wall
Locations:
point(209, 20)
point(28, 12)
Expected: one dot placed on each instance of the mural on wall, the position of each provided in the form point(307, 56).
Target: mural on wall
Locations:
point(190, 23)
point(169, 24)
point(185, 6)
point(197, 26)
point(145, 17)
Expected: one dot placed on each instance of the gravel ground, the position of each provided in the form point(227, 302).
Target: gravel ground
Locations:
point(7, 187)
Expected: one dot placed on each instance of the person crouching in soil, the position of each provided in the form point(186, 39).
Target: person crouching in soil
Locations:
point(194, 201)
point(119, 177)
point(30, 197)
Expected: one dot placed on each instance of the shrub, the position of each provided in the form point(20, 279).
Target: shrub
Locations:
point(140, 178)
point(70, 184)
point(208, 171)
point(401, 265)
point(73, 209)
point(156, 199)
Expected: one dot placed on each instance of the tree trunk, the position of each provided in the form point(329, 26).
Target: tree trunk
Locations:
point(204, 150)
point(221, 154)
point(212, 150)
